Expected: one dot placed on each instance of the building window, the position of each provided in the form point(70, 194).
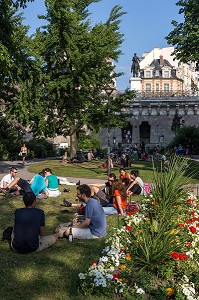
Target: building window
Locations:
point(148, 87)
point(166, 87)
point(157, 73)
point(166, 74)
point(148, 74)
point(157, 87)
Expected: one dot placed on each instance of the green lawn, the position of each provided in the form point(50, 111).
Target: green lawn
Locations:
point(93, 169)
point(53, 274)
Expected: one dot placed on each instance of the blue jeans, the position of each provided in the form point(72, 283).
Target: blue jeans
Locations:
point(110, 210)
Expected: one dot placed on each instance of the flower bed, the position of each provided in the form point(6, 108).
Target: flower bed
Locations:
point(147, 259)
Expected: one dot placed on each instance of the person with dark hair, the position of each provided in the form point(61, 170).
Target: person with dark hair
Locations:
point(28, 233)
point(94, 225)
point(124, 176)
point(108, 188)
point(52, 183)
point(119, 199)
point(8, 178)
point(36, 185)
point(136, 186)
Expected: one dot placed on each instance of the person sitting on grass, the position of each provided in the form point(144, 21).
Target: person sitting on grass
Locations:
point(36, 185)
point(124, 176)
point(136, 186)
point(119, 199)
point(28, 233)
point(51, 183)
point(94, 225)
point(8, 178)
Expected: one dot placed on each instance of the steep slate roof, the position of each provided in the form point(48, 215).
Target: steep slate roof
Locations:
point(156, 64)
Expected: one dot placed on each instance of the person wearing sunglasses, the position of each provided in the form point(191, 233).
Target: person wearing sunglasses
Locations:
point(36, 185)
point(108, 188)
point(8, 178)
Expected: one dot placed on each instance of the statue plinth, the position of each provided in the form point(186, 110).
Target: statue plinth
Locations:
point(135, 84)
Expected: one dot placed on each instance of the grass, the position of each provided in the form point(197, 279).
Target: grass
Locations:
point(53, 273)
point(93, 169)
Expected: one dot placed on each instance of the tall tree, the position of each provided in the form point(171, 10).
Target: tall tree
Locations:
point(185, 36)
point(14, 56)
point(76, 61)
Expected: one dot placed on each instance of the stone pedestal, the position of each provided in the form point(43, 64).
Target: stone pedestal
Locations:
point(135, 84)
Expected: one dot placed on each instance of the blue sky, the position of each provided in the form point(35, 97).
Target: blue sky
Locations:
point(145, 26)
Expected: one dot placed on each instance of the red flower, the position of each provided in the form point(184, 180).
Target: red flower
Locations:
point(93, 263)
point(175, 255)
point(180, 225)
point(190, 200)
point(188, 244)
point(192, 213)
point(121, 250)
point(183, 256)
point(195, 219)
point(128, 228)
point(196, 206)
point(130, 213)
point(115, 276)
point(188, 221)
point(193, 229)
point(135, 210)
point(197, 225)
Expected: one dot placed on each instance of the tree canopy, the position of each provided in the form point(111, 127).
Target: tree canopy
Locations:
point(185, 36)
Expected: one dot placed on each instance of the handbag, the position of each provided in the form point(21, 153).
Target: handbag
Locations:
point(131, 206)
point(20, 153)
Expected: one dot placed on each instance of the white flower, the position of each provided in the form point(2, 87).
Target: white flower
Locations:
point(140, 291)
point(82, 276)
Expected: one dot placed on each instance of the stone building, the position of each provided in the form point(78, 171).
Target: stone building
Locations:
point(163, 87)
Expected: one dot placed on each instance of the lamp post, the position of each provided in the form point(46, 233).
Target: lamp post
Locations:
point(108, 89)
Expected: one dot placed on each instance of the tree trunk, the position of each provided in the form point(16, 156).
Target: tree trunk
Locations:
point(73, 144)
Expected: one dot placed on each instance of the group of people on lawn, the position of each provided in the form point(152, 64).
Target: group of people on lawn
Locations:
point(28, 232)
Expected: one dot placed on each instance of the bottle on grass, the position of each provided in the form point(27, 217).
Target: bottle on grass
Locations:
point(70, 236)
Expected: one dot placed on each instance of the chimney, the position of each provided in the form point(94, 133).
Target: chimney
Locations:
point(161, 60)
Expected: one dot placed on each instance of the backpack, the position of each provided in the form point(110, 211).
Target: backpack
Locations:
point(147, 188)
point(7, 234)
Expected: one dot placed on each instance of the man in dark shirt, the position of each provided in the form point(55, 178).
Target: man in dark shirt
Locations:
point(28, 234)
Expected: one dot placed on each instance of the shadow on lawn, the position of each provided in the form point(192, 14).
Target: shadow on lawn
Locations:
point(51, 274)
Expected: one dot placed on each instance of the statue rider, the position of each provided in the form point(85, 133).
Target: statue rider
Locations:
point(135, 67)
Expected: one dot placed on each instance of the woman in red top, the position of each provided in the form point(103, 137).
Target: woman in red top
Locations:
point(119, 196)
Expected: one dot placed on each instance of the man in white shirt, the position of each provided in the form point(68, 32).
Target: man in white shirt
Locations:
point(7, 179)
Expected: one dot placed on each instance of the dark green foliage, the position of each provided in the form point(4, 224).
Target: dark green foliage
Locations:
point(187, 136)
point(10, 140)
point(185, 36)
point(40, 148)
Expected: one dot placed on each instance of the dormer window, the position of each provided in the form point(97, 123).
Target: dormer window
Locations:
point(148, 74)
point(166, 74)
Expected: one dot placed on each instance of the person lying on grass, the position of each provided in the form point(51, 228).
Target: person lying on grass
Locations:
point(94, 225)
point(28, 233)
point(36, 185)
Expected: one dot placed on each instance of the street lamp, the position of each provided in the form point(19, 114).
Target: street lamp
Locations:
point(109, 89)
